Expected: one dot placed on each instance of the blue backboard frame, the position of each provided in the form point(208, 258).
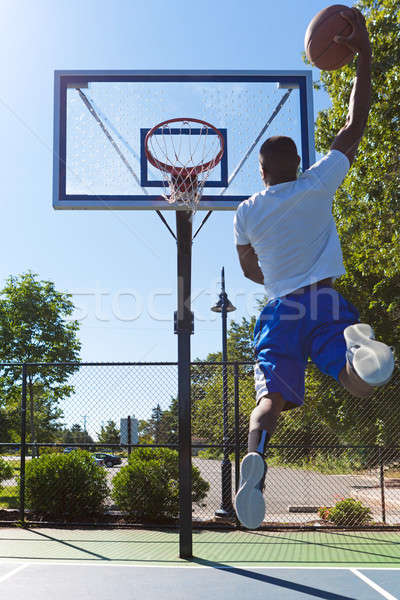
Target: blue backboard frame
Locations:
point(66, 79)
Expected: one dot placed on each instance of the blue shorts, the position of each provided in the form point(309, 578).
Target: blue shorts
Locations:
point(306, 323)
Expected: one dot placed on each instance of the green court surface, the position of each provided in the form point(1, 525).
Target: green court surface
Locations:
point(286, 549)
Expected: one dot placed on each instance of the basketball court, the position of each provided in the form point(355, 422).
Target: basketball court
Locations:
point(144, 564)
point(185, 141)
point(183, 144)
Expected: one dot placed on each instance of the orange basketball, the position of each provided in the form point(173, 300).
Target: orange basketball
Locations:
point(321, 49)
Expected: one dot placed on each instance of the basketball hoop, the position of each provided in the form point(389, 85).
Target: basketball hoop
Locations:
point(186, 154)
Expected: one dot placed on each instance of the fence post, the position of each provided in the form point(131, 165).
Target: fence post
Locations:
point(382, 484)
point(237, 429)
point(23, 447)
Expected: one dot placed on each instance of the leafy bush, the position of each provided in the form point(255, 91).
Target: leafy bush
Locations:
point(323, 512)
point(67, 486)
point(148, 489)
point(6, 471)
point(50, 450)
point(346, 513)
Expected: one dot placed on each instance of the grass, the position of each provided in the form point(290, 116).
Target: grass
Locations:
point(9, 497)
point(392, 473)
point(329, 465)
point(319, 462)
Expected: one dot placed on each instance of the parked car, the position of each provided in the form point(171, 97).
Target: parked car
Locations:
point(109, 459)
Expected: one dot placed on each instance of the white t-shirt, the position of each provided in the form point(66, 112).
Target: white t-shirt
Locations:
point(292, 230)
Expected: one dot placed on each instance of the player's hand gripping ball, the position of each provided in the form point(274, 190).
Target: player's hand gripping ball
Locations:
point(321, 48)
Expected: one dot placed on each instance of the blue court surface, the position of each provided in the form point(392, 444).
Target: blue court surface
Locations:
point(20, 580)
point(137, 564)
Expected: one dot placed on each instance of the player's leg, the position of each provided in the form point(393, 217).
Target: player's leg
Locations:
point(349, 379)
point(263, 421)
point(369, 363)
point(279, 382)
point(249, 501)
point(345, 349)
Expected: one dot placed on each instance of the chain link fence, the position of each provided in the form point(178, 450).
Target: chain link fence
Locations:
point(333, 449)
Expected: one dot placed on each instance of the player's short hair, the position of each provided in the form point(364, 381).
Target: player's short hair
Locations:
point(278, 155)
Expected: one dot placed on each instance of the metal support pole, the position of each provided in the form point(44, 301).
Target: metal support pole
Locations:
point(237, 428)
point(226, 510)
point(23, 447)
point(183, 328)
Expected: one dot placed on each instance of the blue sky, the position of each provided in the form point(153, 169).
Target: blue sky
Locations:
point(121, 266)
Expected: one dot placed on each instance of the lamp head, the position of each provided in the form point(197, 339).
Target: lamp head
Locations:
point(218, 306)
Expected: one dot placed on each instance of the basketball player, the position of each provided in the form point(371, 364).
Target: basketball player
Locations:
point(287, 240)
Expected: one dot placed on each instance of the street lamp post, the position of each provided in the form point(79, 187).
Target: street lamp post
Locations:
point(224, 306)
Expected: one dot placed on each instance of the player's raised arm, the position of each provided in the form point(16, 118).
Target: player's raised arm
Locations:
point(349, 137)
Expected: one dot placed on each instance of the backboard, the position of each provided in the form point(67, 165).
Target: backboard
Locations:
point(101, 119)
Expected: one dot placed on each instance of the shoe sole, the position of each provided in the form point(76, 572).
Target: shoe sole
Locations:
point(249, 502)
point(373, 361)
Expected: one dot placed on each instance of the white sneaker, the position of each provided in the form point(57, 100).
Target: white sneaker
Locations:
point(373, 361)
point(249, 502)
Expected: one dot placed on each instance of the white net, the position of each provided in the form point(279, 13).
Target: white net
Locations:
point(186, 152)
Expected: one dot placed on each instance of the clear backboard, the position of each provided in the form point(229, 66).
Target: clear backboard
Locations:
point(101, 119)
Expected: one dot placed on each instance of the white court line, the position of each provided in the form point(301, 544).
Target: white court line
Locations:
point(78, 563)
point(374, 585)
point(13, 572)
point(361, 576)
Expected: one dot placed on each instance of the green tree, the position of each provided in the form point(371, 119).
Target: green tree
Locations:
point(207, 388)
point(169, 423)
point(155, 423)
point(366, 210)
point(34, 329)
point(239, 347)
point(368, 203)
point(162, 427)
point(207, 411)
point(109, 434)
point(76, 435)
point(144, 433)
